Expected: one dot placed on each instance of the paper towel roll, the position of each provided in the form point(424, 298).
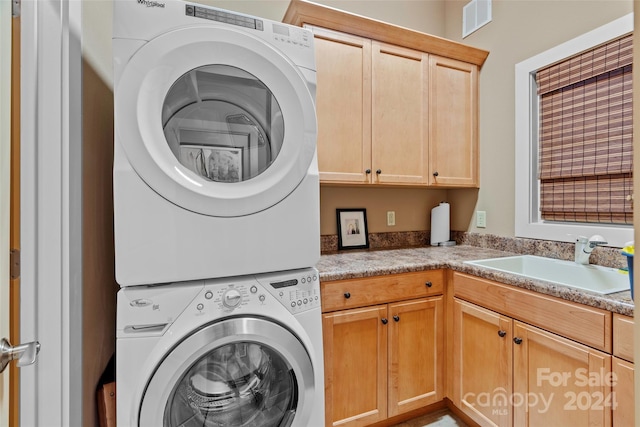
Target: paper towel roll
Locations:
point(440, 224)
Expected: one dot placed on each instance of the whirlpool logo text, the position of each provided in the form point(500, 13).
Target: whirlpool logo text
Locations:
point(151, 3)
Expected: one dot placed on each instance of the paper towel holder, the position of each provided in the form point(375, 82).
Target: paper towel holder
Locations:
point(440, 226)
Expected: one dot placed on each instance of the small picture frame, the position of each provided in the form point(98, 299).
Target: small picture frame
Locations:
point(352, 229)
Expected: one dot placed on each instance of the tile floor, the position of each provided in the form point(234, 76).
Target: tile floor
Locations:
point(441, 418)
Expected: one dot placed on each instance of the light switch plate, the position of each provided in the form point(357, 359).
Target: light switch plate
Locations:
point(391, 218)
point(481, 219)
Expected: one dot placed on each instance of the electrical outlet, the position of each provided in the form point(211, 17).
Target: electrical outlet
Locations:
point(481, 219)
point(391, 218)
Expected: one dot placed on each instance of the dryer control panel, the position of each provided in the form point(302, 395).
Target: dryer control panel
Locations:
point(224, 16)
point(280, 33)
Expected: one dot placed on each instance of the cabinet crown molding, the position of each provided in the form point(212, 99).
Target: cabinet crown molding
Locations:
point(301, 12)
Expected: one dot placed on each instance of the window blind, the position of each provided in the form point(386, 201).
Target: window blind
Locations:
point(585, 136)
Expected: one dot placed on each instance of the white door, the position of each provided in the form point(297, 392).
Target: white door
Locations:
point(50, 211)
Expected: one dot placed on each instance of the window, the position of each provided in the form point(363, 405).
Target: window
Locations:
point(573, 172)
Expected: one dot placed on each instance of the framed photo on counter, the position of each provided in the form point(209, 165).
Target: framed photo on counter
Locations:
point(352, 229)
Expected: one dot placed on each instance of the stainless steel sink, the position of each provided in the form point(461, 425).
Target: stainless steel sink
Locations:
point(594, 278)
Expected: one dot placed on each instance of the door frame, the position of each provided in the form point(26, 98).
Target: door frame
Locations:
point(51, 210)
point(5, 176)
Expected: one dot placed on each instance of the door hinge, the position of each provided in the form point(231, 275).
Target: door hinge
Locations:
point(15, 9)
point(14, 264)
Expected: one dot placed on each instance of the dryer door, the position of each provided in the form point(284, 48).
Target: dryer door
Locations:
point(238, 372)
point(216, 120)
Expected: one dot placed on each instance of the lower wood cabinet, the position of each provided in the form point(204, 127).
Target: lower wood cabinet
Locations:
point(514, 358)
point(623, 412)
point(482, 363)
point(508, 373)
point(382, 360)
point(623, 370)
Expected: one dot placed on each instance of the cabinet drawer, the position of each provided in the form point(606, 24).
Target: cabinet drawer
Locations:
point(343, 294)
point(588, 325)
point(623, 337)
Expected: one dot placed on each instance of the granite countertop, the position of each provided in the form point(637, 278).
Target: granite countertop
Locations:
point(351, 265)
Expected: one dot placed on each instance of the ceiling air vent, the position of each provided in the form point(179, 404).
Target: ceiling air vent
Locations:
point(475, 14)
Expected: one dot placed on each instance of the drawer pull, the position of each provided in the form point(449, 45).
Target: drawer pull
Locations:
point(368, 171)
point(384, 321)
point(347, 295)
point(396, 318)
point(428, 284)
point(502, 333)
point(517, 340)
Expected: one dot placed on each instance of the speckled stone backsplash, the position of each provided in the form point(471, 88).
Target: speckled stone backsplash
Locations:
point(329, 243)
point(606, 256)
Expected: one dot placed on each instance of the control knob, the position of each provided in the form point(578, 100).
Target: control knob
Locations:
point(232, 298)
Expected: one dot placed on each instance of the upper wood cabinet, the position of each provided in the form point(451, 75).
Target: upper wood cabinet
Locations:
point(399, 106)
point(394, 106)
point(343, 106)
point(453, 122)
point(371, 100)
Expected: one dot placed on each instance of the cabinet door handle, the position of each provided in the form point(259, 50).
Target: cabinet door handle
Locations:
point(428, 284)
point(347, 295)
point(384, 321)
point(435, 173)
point(502, 333)
point(517, 340)
point(396, 318)
point(379, 171)
point(368, 171)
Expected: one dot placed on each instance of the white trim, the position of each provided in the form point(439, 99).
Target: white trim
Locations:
point(51, 281)
point(527, 221)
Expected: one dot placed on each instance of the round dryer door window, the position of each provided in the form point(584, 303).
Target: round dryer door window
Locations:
point(216, 120)
point(223, 124)
point(241, 372)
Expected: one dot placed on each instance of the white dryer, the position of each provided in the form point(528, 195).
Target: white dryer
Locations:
point(215, 169)
point(244, 352)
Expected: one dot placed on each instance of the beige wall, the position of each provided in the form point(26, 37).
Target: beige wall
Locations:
point(519, 30)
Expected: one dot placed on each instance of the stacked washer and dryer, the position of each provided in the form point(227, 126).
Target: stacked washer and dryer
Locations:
point(216, 211)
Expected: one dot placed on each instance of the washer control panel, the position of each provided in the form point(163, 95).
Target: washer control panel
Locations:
point(298, 291)
point(224, 297)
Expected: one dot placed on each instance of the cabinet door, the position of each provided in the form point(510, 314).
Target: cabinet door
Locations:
point(624, 406)
point(482, 364)
point(415, 354)
point(453, 126)
point(355, 357)
point(343, 106)
point(558, 382)
point(399, 115)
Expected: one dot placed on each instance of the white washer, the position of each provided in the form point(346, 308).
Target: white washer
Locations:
point(215, 169)
point(222, 352)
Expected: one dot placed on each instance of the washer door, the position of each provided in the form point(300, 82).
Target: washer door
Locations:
point(239, 372)
point(216, 120)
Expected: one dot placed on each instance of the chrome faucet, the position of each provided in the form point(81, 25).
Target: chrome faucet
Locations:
point(585, 246)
